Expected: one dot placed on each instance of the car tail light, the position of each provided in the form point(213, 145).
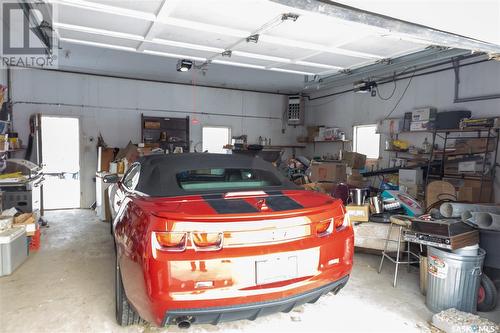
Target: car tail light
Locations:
point(170, 241)
point(324, 227)
point(207, 241)
point(342, 223)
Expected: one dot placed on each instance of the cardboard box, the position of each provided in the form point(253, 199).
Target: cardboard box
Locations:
point(424, 125)
point(354, 160)
point(358, 213)
point(327, 133)
point(328, 172)
point(421, 114)
point(470, 166)
point(469, 191)
point(470, 146)
point(323, 187)
point(355, 179)
point(152, 124)
point(411, 177)
point(28, 221)
point(107, 155)
point(312, 132)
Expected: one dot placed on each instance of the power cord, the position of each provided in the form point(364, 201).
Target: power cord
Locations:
point(402, 95)
point(392, 93)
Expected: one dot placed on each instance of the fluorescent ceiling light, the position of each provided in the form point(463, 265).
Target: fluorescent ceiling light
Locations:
point(313, 64)
point(217, 29)
point(95, 31)
point(260, 56)
point(290, 71)
point(187, 45)
point(106, 9)
point(151, 17)
point(108, 46)
point(139, 38)
point(317, 47)
point(173, 55)
point(238, 64)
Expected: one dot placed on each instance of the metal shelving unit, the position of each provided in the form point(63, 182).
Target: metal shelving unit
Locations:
point(490, 134)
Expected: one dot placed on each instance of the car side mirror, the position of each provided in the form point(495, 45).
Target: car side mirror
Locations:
point(111, 179)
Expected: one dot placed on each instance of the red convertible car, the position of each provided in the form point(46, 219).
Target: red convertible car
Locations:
point(208, 238)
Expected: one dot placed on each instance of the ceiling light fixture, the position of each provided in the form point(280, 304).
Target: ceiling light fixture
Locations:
point(317, 47)
point(290, 71)
point(313, 64)
point(184, 65)
point(186, 45)
point(108, 46)
point(91, 5)
point(260, 56)
point(95, 31)
point(173, 55)
point(238, 64)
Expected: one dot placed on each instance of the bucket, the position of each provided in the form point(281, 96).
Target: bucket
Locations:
point(358, 196)
point(468, 250)
point(453, 280)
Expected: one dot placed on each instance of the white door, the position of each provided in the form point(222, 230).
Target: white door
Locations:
point(61, 162)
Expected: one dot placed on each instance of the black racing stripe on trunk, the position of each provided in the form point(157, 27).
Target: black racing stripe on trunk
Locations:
point(230, 206)
point(281, 202)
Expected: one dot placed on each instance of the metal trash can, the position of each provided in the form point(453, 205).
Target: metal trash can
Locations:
point(453, 280)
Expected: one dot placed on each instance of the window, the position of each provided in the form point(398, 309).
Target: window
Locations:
point(226, 179)
point(366, 141)
point(215, 138)
point(131, 179)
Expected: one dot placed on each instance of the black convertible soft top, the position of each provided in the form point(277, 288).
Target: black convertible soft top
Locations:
point(158, 174)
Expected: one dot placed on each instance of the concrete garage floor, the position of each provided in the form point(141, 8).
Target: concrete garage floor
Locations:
point(68, 286)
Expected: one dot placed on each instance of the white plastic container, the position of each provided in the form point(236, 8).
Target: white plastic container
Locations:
point(468, 250)
point(13, 249)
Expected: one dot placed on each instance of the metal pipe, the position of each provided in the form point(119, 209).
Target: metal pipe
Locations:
point(114, 76)
point(145, 109)
point(422, 58)
point(456, 209)
point(401, 76)
point(487, 221)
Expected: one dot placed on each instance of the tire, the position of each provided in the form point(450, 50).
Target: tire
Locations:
point(488, 295)
point(125, 314)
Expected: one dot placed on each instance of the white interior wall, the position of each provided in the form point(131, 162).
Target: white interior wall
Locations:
point(348, 109)
point(113, 107)
point(3, 76)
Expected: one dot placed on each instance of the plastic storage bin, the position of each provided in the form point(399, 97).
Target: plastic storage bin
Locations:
point(453, 280)
point(13, 249)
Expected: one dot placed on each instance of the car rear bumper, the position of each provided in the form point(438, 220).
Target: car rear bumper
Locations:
point(250, 311)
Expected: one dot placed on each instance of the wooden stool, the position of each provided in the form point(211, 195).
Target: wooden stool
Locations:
point(403, 222)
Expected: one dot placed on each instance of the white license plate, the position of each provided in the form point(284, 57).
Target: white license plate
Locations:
point(276, 269)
